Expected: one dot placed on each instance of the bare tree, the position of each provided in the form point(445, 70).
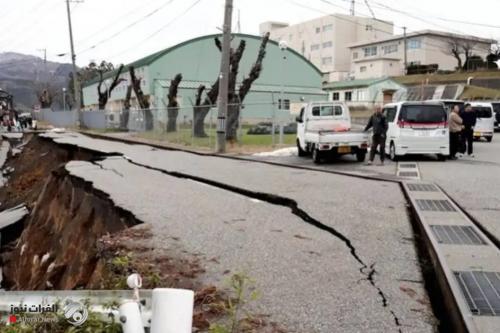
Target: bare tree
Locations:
point(454, 48)
point(46, 93)
point(173, 104)
point(236, 100)
point(235, 97)
point(468, 48)
point(141, 99)
point(201, 109)
point(104, 95)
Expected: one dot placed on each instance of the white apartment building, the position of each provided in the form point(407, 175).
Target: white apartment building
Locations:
point(325, 41)
point(385, 57)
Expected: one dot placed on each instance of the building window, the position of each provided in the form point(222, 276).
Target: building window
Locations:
point(327, 45)
point(328, 27)
point(348, 96)
point(370, 51)
point(314, 47)
point(414, 44)
point(335, 96)
point(390, 48)
point(369, 27)
point(285, 105)
point(362, 95)
point(318, 30)
point(362, 69)
point(355, 55)
point(326, 61)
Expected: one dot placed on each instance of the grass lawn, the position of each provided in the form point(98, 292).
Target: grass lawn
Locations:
point(183, 137)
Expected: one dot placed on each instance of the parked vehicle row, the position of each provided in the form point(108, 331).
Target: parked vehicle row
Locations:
point(324, 128)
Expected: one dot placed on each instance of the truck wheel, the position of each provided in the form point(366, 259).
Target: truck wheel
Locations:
point(489, 138)
point(316, 156)
point(301, 151)
point(392, 152)
point(361, 155)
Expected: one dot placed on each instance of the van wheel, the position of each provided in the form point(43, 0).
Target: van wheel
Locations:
point(316, 156)
point(301, 151)
point(361, 155)
point(392, 152)
point(489, 138)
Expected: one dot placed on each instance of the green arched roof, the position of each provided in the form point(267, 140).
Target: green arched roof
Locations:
point(155, 56)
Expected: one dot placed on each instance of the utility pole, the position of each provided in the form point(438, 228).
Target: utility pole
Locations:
point(76, 84)
point(224, 79)
point(405, 50)
point(44, 63)
point(353, 3)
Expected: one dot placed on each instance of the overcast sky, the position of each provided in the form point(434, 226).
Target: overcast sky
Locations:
point(125, 30)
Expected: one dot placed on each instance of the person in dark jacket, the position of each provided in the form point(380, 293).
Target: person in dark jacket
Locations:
point(469, 121)
point(380, 126)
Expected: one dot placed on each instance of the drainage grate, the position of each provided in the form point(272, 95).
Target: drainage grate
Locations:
point(407, 166)
point(436, 205)
point(408, 174)
point(457, 234)
point(481, 291)
point(422, 188)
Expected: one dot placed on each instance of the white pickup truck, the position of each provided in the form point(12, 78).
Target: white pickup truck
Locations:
point(324, 129)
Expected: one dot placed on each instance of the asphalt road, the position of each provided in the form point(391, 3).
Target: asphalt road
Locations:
point(473, 182)
point(258, 218)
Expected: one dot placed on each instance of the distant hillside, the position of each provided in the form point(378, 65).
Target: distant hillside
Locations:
point(19, 74)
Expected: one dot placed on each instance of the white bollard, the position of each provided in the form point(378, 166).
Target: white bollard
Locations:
point(172, 311)
point(130, 317)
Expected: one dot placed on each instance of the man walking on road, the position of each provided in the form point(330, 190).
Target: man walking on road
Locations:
point(455, 124)
point(380, 126)
point(469, 121)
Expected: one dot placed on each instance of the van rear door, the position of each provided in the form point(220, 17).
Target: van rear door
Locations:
point(421, 120)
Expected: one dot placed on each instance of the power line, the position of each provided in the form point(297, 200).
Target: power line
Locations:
point(113, 23)
point(127, 27)
point(464, 22)
point(194, 4)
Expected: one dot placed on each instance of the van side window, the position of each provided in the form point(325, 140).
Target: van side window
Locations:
point(315, 111)
point(390, 114)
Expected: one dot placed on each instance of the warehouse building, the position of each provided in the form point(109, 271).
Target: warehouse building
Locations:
point(286, 75)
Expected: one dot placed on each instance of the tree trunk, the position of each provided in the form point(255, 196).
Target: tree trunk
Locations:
point(173, 105)
point(126, 109)
point(143, 100)
point(199, 121)
point(172, 119)
point(199, 114)
point(232, 120)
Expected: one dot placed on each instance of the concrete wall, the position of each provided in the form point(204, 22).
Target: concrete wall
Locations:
point(57, 118)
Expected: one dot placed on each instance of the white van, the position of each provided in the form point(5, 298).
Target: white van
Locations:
point(485, 122)
point(417, 128)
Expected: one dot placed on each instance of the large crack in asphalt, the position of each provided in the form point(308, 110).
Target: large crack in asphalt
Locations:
point(296, 210)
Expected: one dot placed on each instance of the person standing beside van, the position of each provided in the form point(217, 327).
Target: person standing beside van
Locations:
point(380, 126)
point(469, 121)
point(455, 124)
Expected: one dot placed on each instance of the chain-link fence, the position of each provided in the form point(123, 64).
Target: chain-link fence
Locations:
point(197, 126)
